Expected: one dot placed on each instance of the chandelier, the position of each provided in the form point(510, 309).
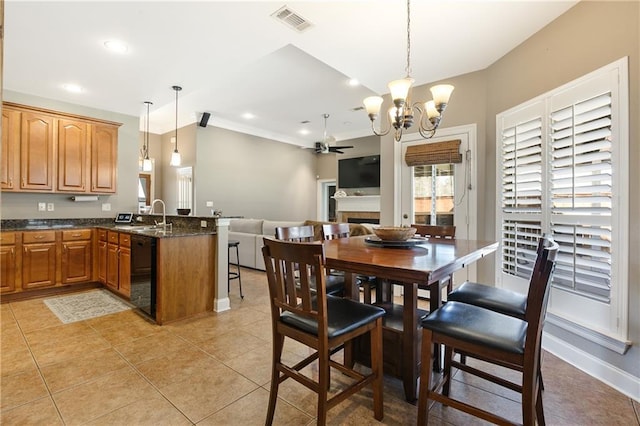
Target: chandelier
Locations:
point(147, 166)
point(401, 114)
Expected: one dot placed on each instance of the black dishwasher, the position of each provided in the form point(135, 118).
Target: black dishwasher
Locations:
point(143, 274)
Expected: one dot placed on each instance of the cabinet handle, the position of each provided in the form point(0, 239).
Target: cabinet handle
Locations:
point(76, 235)
point(39, 237)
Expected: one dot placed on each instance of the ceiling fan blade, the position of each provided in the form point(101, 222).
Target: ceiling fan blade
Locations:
point(343, 147)
point(335, 149)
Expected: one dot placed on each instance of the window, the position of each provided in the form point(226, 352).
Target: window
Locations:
point(563, 171)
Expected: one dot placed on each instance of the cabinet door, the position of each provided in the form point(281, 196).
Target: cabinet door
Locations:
point(36, 152)
point(76, 262)
point(72, 156)
point(38, 265)
point(7, 269)
point(125, 272)
point(104, 158)
point(102, 261)
point(112, 266)
point(9, 157)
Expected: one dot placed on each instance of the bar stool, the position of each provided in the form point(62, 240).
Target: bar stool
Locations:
point(233, 275)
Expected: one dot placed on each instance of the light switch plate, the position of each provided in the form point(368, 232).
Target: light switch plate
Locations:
point(106, 207)
point(50, 207)
point(42, 207)
point(209, 203)
point(203, 223)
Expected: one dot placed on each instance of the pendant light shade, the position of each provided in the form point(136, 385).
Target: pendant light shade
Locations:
point(176, 159)
point(146, 162)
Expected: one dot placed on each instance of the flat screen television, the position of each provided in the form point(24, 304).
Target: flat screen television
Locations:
point(359, 172)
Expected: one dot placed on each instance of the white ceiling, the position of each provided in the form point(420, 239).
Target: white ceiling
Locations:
point(232, 57)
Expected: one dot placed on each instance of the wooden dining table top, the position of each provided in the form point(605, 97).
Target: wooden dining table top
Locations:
point(427, 262)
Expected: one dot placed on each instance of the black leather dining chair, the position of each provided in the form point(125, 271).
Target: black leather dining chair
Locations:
point(492, 337)
point(301, 310)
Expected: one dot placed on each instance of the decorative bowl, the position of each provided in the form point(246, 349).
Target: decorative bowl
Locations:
point(394, 233)
point(184, 212)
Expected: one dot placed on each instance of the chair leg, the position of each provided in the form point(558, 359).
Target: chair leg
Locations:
point(278, 344)
point(529, 403)
point(425, 378)
point(448, 356)
point(539, 406)
point(323, 385)
point(377, 367)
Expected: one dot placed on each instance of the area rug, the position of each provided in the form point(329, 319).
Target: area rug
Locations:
point(82, 306)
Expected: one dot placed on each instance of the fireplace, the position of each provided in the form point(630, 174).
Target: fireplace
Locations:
point(359, 217)
point(363, 220)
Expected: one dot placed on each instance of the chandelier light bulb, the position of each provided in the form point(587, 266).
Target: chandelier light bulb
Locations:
point(372, 104)
point(441, 94)
point(400, 89)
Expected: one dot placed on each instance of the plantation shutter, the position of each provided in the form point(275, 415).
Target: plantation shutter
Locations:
point(581, 187)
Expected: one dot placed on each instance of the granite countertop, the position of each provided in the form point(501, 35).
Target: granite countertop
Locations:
point(186, 229)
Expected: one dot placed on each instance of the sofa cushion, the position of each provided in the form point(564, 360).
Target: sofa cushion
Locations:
point(249, 226)
point(269, 226)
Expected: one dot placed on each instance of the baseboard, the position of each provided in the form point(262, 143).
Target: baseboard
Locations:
point(613, 376)
point(221, 305)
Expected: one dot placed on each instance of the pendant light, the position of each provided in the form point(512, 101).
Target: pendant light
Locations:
point(176, 160)
point(146, 162)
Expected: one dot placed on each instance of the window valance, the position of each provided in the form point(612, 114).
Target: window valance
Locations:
point(434, 153)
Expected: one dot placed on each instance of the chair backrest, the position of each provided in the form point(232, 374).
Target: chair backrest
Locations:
point(539, 289)
point(295, 285)
point(295, 233)
point(436, 231)
point(331, 231)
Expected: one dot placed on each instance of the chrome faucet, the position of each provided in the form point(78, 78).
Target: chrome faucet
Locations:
point(164, 215)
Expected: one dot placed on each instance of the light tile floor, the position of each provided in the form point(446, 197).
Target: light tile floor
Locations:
point(215, 370)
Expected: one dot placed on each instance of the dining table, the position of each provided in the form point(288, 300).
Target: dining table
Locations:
point(418, 264)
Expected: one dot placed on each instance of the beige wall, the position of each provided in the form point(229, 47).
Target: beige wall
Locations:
point(23, 205)
point(249, 176)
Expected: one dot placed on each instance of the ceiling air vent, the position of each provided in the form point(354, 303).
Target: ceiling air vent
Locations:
point(358, 108)
point(291, 19)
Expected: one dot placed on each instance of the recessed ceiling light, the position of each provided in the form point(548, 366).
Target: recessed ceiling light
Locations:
point(73, 88)
point(304, 131)
point(116, 46)
point(354, 82)
point(248, 116)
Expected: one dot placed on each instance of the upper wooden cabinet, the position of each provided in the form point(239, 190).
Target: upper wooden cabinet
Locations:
point(10, 155)
point(72, 156)
point(104, 158)
point(56, 152)
point(36, 152)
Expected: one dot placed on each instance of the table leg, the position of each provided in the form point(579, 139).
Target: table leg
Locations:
point(435, 300)
point(410, 347)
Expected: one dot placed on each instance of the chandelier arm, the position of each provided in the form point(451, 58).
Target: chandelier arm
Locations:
point(426, 133)
point(381, 133)
point(398, 134)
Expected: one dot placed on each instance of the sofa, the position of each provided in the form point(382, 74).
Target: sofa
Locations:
point(250, 232)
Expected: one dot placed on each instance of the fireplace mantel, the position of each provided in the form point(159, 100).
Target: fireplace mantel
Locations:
point(358, 203)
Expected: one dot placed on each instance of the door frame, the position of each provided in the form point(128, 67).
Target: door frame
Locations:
point(322, 205)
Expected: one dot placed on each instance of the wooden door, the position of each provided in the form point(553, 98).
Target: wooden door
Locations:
point(10, 158)
point(113, 267)
point(125, 271)
point(7, 269)
point(76, 261)
point(36, 152)
point(72, 156)
point(104, 158)
point(38, 265)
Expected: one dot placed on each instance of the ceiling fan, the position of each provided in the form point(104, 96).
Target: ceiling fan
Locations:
point(324, 146)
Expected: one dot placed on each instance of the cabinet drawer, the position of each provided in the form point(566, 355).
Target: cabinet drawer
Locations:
point(39, 237)
point(102, 235)
point(7, 238)
point(125, 240)
point(76, 235)
point(112, 237)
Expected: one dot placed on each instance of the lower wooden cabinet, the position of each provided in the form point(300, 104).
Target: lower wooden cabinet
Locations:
point(32, 260)
point(116, 260)
point(76, 256)
point(38, 259)
point(8, 261)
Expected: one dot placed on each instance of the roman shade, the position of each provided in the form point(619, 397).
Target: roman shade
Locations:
point(433, 153)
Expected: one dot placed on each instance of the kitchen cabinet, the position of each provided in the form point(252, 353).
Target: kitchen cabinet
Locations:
point(118, 262)
point(72, 156)
point(104, 158)
point(38, 259)
point(76, 256)
point(36, 151)
point(10, 155)
point(51, 151)
point(8, 261)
